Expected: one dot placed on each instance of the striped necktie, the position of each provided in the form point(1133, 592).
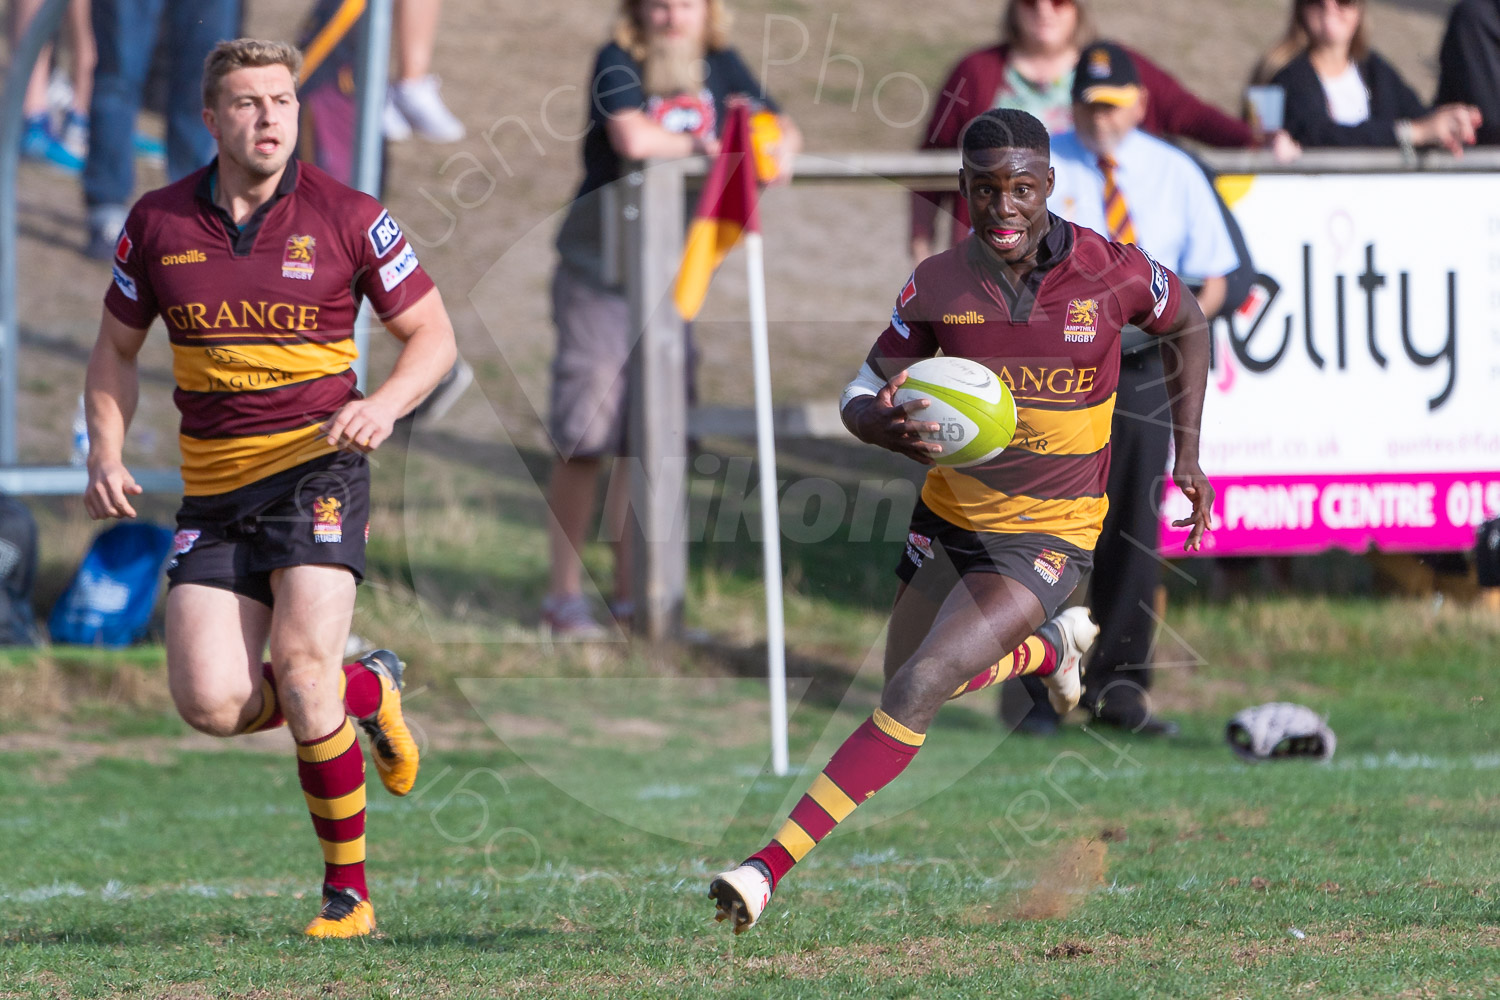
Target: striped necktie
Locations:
point(1116, 213)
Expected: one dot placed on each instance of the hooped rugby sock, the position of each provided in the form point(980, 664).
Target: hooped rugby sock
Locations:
point(1034, 656)
point(270, 716)
point(361, 693)
point(869, 760)
point(362, 690)
point(332, 771)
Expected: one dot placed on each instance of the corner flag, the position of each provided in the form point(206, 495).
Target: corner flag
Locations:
point(726, 211)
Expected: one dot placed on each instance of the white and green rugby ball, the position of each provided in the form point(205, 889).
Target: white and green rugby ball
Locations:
point(974, 410)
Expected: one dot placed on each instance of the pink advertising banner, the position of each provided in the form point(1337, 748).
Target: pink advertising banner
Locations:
point(1290, 515)
point(1352, 399)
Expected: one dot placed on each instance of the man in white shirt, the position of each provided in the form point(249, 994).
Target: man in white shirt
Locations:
point(1117, 180)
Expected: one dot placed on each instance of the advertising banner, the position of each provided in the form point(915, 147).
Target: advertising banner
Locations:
point(1354, 399)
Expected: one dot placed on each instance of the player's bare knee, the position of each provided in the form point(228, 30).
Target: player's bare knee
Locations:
point(915, 692)
point(220, 717)
point(305, 674)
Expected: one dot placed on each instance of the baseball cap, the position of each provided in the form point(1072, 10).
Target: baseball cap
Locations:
point(1106, 75)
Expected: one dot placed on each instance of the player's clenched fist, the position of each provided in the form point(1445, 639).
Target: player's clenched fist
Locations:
point(110, 483)
point(361, 425)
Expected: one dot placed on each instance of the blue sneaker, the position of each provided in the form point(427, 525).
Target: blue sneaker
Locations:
point(75, 134)
point(39, 144)
point(149, 148)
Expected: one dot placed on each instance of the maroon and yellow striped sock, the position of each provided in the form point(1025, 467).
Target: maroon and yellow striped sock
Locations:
point(869, 760)
point(270, 716)
point(1034, 656)
point(362, 693)
point(332, 771)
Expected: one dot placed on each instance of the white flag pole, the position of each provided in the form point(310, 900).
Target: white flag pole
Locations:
point(770, 518)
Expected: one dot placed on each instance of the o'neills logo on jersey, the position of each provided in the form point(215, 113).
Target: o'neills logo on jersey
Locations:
point(972, 316)
point(1049, 565)
point(191, 257)
point(1025, 379)
point(1082, 323)
point(299, 258)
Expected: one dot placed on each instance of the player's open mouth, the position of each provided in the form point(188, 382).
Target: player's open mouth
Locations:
point(267, 146)
point(1004, 239)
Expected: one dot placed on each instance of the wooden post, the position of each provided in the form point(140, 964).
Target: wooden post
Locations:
point(653, 225)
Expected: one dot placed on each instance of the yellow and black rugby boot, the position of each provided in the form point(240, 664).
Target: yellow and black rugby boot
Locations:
point(395, 750)
point(344, 915)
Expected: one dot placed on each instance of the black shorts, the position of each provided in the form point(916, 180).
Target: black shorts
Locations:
point(1044, 564)
point(316, 513)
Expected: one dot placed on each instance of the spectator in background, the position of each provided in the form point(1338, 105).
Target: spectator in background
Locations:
point(1469, 63)
point(1340, 92)
point(126, 31)
point(659, 89)
point(1032, 70)
point(413, 102)
point(40, 138)
point(1132, 188)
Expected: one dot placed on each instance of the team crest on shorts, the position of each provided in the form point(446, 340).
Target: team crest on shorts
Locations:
point(1083, 321)
point(300, 256)
point(1049, 565)
point(918, 547)
point(328, 520)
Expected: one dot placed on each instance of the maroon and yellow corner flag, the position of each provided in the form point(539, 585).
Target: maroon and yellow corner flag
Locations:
point(726, 211)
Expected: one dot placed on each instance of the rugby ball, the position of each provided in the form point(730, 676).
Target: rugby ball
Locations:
point(974, 410)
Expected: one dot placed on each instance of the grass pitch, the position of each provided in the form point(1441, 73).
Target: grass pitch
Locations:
point(561, 838)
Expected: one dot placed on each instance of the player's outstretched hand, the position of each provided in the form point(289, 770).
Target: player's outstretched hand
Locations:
point(361, 425)
point(110, 483)
point(1196, 487)
point(882, 422)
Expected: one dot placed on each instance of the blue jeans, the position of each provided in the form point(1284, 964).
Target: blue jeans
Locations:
point(125, 32)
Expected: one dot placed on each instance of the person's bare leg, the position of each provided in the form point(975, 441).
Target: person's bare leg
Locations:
point(215, 642)
point(309, 627)
point(34, 101)
point(618, 530)
point(85, 53)
point(415, 36)
point(981, 619)
point(571, 496)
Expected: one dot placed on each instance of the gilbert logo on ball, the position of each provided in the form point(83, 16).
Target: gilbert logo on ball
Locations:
point(974, 410)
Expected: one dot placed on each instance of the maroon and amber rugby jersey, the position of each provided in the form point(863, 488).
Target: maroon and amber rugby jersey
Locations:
point(1055, 342)
point(260, 316)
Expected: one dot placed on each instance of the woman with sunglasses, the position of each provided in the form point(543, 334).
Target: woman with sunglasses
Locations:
point(1032, 70)
point(1340, 92)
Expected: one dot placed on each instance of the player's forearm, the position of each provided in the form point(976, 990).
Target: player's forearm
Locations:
point(1186, 356)
point(111, 388)
point(424, 359)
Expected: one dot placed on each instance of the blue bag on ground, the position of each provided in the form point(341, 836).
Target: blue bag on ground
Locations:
point(110, 599)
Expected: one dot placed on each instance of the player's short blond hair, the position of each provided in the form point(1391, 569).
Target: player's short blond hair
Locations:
point(243, 53)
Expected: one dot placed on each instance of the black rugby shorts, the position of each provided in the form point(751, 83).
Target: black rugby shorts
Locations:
point(316, 513)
